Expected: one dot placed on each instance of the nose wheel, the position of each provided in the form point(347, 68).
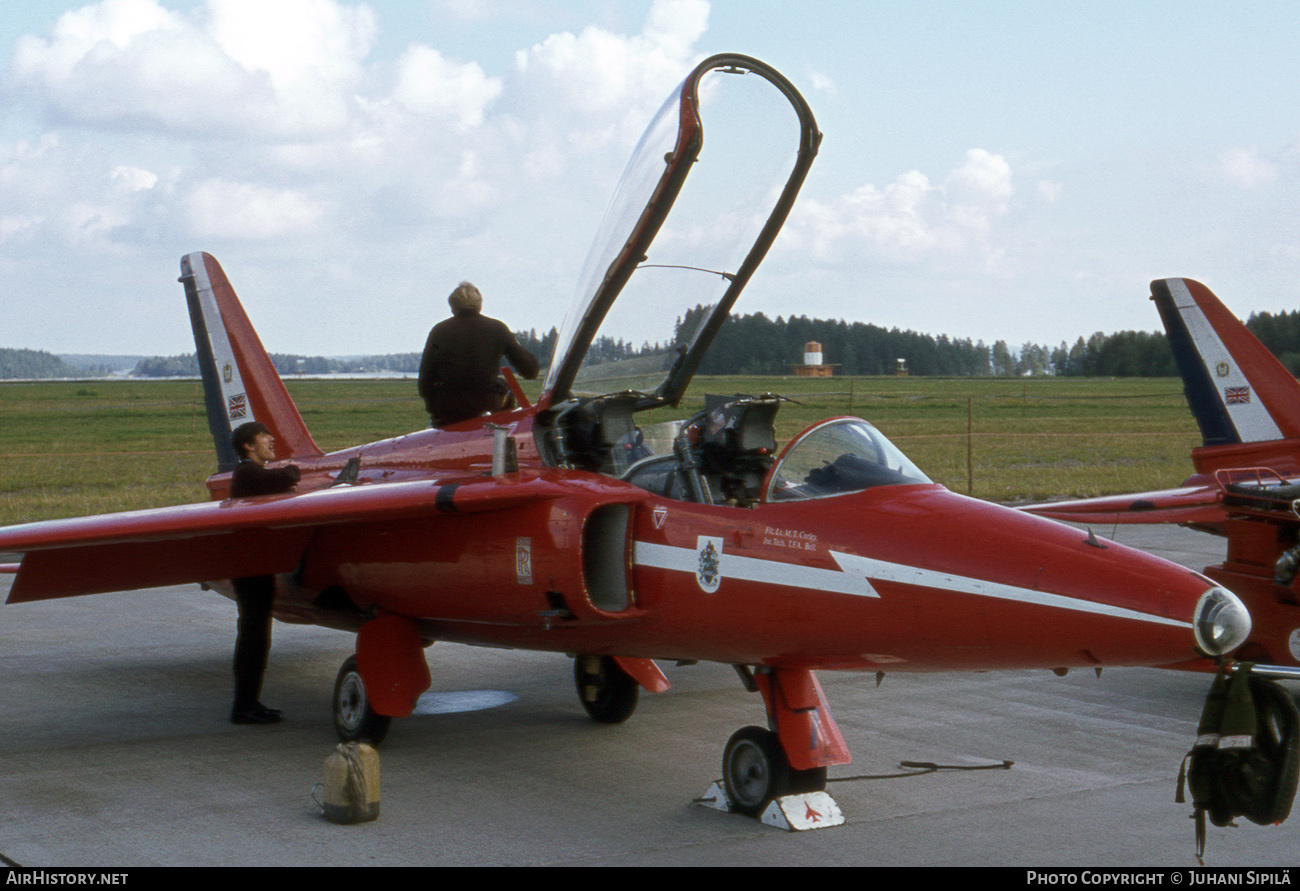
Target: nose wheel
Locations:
point(756, 771)
point(354, 719)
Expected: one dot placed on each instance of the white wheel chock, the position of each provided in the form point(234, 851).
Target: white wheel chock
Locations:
point(794, 813)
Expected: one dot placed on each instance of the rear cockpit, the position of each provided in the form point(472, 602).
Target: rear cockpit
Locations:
point(719, 456)
point(724, 455)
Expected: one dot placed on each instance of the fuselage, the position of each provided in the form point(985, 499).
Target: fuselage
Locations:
point(894, 577)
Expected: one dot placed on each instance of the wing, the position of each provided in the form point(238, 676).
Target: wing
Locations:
point(1190, 505)
point(233, 538)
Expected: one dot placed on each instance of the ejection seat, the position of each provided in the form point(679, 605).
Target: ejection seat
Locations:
point(720, 457)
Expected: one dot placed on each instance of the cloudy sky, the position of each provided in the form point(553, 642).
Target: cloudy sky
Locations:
point(992, 170)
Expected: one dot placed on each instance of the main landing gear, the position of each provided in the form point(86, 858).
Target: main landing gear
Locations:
point(354, 719)
point(607, 692)
point(777, 775)
point(391, 649)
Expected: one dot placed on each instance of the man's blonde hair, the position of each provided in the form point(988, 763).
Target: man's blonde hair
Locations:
point(465, 298)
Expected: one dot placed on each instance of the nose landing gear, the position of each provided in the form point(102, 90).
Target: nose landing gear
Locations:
point(779, 776)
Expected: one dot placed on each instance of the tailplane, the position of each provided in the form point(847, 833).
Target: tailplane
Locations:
point(240, 383)
point(1235, 387)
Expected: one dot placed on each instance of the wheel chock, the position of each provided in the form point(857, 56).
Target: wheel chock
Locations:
point(803, 811)
point(793, 813)
point(715, 798)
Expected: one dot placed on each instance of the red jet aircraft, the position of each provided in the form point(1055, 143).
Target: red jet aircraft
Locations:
point(566, 526)
point(1247, 406)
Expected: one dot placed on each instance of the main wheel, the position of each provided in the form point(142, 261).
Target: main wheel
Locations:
point(354, 719)
point(607, 692)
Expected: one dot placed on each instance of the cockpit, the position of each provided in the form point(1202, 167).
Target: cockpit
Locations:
point(725, 454)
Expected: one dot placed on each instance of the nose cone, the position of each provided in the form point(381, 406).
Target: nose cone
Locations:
point(1222, 622)
point(1055, 592)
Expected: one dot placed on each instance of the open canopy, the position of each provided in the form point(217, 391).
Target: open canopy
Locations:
point(704, 195)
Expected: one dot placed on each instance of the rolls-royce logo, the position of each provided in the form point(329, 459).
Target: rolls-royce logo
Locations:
point(524, 561)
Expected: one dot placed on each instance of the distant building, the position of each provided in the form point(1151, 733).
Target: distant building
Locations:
point(812, 362)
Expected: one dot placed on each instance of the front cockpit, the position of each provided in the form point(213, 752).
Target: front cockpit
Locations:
point(837, 456)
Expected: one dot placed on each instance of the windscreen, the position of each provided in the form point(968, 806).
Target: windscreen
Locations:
point(839, 456)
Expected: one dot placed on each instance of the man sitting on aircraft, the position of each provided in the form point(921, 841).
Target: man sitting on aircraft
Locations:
point(458, 372)
point(255, 446)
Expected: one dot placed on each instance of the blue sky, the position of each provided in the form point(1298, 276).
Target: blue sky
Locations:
point(1009, 170)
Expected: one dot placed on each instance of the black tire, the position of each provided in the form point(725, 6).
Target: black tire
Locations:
point(754, 770)
point(607, 692)
point(354, 719)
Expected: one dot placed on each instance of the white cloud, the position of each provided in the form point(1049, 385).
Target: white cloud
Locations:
point(912, 217)
point(822, 83)
point(221, 209)
point(256, 69)
point(271, 128)
point(134, 179)
point(1245, 167)
point(1050, 191)
point(66, 194)
point(430, 84)
point(312, 53)
point(615, 81)
point(127, 62)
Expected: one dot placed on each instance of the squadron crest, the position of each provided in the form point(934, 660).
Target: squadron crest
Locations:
point(709, 573)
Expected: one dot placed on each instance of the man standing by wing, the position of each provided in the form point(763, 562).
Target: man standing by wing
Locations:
point(256, 447)
point(458, 372)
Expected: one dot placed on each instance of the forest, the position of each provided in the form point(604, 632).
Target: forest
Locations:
point(754, 344)
point(36, 365)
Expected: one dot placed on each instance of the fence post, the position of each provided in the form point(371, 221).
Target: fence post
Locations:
point(970, 448)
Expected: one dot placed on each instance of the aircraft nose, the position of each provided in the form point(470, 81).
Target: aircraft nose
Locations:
point(1221, 623)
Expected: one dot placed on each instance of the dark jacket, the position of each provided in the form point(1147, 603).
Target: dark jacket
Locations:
point(251, 478)
point(458, 372)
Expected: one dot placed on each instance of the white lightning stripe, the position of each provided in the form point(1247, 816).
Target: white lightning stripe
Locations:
point(751, 569)
point(858, 572)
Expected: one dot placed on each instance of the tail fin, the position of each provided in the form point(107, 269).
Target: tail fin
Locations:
point(240, 382)
point(1237, 390)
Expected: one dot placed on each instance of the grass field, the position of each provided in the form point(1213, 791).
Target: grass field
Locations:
point(78, 448)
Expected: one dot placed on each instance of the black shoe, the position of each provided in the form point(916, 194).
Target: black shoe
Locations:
point(255, 714)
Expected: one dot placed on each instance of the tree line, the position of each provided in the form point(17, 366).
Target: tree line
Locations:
point(756, 345)
point(1281, 334)
point(40, 365)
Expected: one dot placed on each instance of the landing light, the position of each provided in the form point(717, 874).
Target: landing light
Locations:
point(1222, 622)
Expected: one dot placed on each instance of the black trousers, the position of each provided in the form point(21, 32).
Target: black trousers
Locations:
point(253, 641)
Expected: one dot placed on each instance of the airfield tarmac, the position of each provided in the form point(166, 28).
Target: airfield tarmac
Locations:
point(115, 751)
